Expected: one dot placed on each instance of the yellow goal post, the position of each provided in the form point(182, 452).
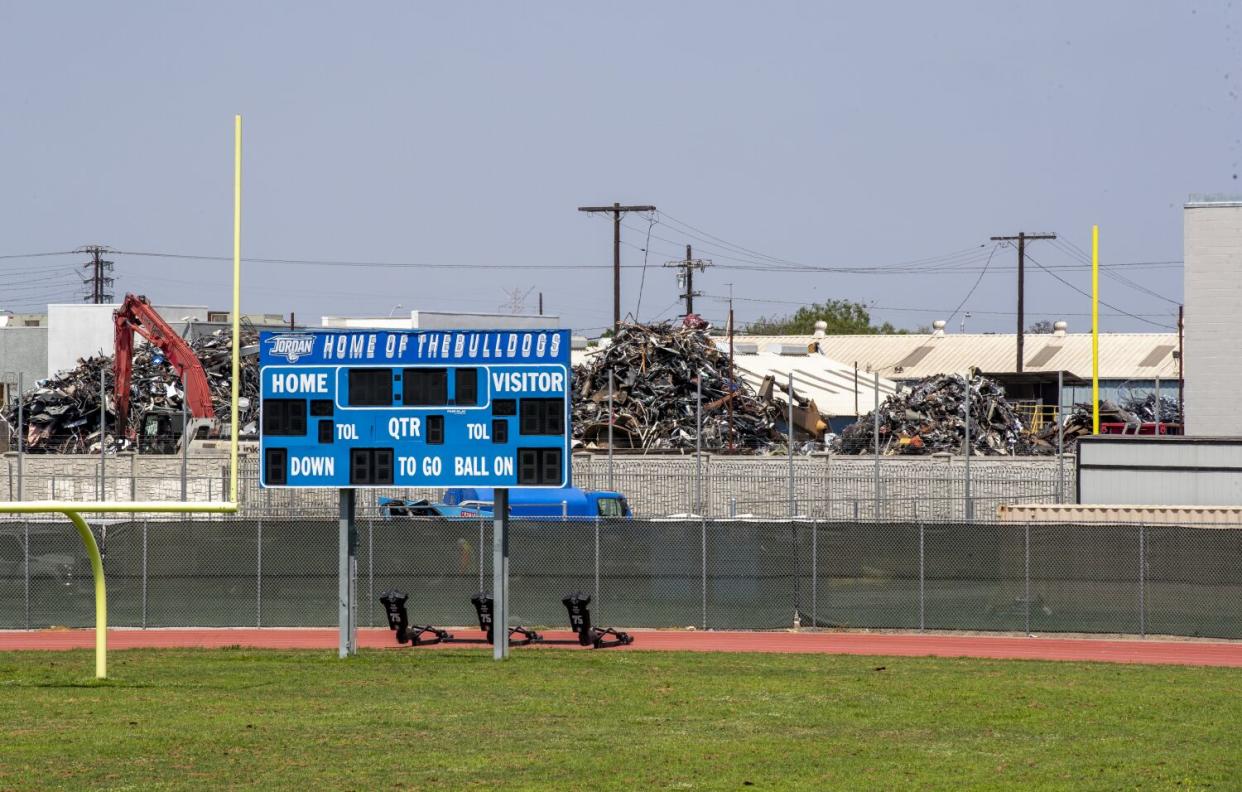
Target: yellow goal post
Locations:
point(74, 509)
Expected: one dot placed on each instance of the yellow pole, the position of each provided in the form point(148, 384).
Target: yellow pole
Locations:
point(235, 430)
point(73, 509)
point(1095, 329)
point(101, 594)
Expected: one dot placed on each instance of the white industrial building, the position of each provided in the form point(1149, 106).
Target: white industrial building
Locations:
point(1212, 278)
point(444, 320)
point(36, 347)
point(76, 330)
point(1129, 362)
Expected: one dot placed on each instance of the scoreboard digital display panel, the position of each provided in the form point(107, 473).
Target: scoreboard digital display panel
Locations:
point(414, 408)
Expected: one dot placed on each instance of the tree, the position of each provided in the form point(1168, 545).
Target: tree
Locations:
point(1041, 327)
point(844, 317)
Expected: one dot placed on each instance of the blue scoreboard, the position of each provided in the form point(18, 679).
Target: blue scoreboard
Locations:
point(415, 408)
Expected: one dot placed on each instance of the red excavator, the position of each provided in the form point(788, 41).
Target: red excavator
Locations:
point(159, 425)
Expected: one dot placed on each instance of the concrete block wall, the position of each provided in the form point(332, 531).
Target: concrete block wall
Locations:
point(125, 477)
point(1213, 332)
point(836, 487)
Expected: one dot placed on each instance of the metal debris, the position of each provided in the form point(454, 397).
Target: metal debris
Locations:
point(930, 418)
point(1136, 415)
point(1144, 407)
point(654, 371)
point(62, 412)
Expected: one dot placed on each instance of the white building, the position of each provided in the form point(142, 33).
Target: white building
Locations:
point(77, 330)
point(1213, 287)
point(444, 320)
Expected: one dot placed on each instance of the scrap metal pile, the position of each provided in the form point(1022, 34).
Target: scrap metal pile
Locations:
point(61, 413)
point(931, 418)
point(1144, 408)
point(654, 371)
point(1131, 414)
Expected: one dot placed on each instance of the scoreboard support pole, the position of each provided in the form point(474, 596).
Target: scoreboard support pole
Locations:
point(500, 574)
point(347, 577)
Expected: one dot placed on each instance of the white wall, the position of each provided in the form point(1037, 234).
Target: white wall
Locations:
point(444, 320)
point(366, 322)
point(77, 330)
point(1165, 471)
point(1213, 294)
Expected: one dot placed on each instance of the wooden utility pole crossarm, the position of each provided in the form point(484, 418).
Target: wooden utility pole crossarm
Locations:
point(687, 267)
point(617, 210)
point(1022, 239)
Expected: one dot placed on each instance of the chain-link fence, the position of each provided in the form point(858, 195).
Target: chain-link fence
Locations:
point(707, 574)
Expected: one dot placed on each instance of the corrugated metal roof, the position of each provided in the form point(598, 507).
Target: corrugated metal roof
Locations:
point(829, 382)
point(1123, 356)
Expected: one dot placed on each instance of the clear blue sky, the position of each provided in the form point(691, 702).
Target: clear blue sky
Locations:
point(832, 135)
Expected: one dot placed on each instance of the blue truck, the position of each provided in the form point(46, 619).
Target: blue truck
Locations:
point(570, 502)
point(468, 502)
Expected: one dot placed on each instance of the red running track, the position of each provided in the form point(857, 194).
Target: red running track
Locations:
point(1201, 653)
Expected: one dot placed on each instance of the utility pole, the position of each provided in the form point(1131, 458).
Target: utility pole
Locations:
point(98, 280)
point(1021, 239)
point(617, 210)
point(687, 266)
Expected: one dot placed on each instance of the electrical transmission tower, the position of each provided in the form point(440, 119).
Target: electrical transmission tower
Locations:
point(685, 278)
point(99, 278)
point(516, 303)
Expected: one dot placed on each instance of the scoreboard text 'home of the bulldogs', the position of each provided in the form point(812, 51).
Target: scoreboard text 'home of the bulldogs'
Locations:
point(415, 408)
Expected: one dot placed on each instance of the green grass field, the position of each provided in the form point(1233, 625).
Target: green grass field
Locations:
point(581, 720)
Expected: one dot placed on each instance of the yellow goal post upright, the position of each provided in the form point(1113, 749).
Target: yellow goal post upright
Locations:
point(74, 509)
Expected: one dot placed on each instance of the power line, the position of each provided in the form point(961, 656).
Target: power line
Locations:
point(959, 305)
point(938, 312)
point(1088, 295)
point(667, 308)
point(879, 270)
point(23, 275)
point(744, 264)
point(54, 285)
point(651, 221)
point(965, 262)
point(975, 286)
point(1122, 279)
point(972, 252)
point(363, 264)
point(617, 211)
point(1021, 239)
point(706, 237)
point(39, 255)
point(1074, 251)
point(287, 290)
point(933, 262)
point(686, 277)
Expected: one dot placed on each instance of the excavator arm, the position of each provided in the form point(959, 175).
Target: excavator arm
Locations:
point(137, 315)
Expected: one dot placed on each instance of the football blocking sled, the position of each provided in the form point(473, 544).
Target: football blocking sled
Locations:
point(588, 635)
point(394, 601)
point(576, 604)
